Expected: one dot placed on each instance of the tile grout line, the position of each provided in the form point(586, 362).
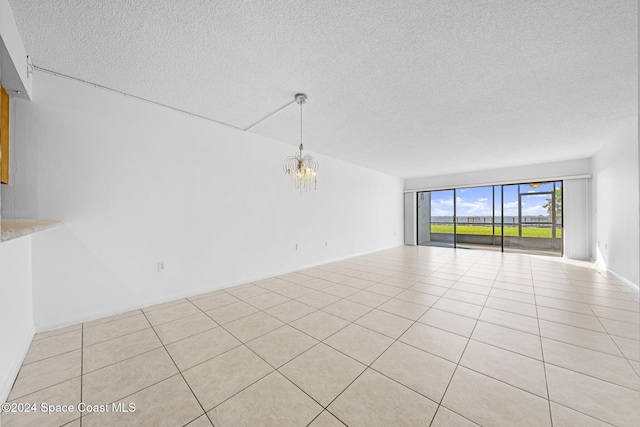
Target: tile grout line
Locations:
point(548, 363)
point(614, 341)
point(243, 344)
point(325, 410)
point(146, 387)
point(444, 393)
point(162, 345)
point(319, 341)
point(259, 336)
point(119, 336)
point(321, 309)
point(588, 375)
point(179, 372)
point(58, 332)
point(537, 318)
point(440, 405)
point(380, 355)
point(51, 357)
point(316, 344)
point(118, 317)
point(402, 289)
point(544, 365)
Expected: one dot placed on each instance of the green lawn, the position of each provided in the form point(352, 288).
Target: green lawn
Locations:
point(543, 232)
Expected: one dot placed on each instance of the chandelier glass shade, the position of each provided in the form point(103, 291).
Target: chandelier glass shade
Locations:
point(303, 168)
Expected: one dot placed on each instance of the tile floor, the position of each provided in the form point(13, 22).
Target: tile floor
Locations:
point(411, 336)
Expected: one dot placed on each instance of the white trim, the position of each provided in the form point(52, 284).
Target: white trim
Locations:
point(15, 369)
point(484, 184)
point(603, 268)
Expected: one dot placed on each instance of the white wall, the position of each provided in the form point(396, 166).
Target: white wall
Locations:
point(615, 204)
point(16, 315)
point(528, 173)
point(136, 183)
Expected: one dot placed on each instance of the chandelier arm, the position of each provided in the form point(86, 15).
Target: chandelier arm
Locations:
point(310, 162)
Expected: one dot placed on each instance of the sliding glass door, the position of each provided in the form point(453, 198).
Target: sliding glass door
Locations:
point(538, 225)
point(511, 217)
point(442, 224)
point(474, 216)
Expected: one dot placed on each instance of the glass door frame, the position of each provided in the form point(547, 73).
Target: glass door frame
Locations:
point(554, 210)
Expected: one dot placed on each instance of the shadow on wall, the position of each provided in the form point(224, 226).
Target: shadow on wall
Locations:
point(600, 260)
point(70, 284)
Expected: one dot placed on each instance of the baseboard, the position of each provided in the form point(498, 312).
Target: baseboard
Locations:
point(623, 280)
point(166, 298)
point(603, 268)
point(15, 369)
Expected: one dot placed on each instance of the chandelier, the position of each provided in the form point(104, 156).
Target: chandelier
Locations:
point(303, 169)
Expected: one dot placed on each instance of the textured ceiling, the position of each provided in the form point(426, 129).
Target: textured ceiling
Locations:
point(411, 88)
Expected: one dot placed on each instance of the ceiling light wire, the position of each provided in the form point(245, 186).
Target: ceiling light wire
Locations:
point(139, 98)
point(95, 85)
point(270, 114)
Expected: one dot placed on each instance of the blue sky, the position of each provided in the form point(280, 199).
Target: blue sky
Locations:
point(477, 202)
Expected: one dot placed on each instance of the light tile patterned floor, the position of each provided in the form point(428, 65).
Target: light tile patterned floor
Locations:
point(411, 336)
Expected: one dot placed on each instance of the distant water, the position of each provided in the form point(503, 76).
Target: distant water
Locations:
point(488, 219)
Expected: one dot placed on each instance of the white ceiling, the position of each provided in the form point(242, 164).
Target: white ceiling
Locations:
point(413, 88)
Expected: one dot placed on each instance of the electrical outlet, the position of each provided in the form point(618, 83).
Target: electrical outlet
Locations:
point(161, 266)
point(296, 246)
point(326, 243)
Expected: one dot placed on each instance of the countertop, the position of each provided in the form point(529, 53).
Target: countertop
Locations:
point(14, 228)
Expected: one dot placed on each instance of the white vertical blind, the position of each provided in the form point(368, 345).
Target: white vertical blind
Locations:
point(576, 218)
point(410, 232)
point(424, 217)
